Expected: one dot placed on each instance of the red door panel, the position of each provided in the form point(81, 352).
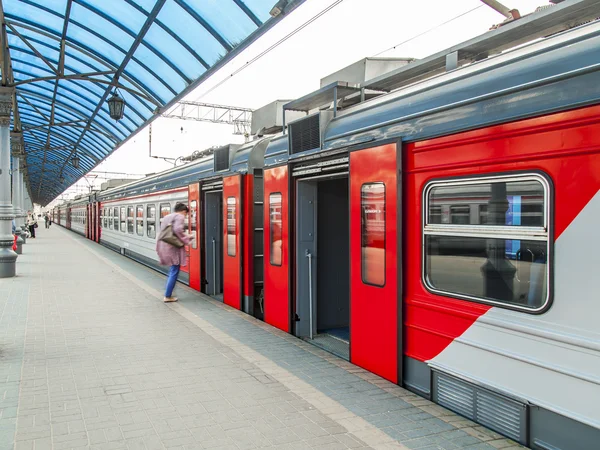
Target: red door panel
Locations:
point(276, 245)
point(232, 242)
point(194, 230)
point(374, 300)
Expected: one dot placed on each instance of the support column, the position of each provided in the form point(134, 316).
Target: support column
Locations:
point(16, 147)
point(22, 221)
point(8, 258)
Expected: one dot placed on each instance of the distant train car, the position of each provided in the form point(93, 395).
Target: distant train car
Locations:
point(442, 235)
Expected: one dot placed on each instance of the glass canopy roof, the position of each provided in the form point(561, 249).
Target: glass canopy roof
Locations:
point(66, 57)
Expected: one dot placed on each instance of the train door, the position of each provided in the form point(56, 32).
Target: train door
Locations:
point(375, 261)
point(232, 248)
point(276, 248)
point(99, 224)
point(194, 263)
point(253, 249)
point(213, 248)
point(322, 262)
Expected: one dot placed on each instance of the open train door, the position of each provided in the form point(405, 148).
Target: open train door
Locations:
point(194, 263)
point(276, 245)
point(232, 248)
point(375, 260)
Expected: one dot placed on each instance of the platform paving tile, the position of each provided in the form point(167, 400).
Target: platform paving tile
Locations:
point(91, 358)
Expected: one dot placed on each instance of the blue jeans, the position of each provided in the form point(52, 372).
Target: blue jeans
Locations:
point(173, 273)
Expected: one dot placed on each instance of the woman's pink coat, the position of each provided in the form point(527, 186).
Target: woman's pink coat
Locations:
point(168, 254)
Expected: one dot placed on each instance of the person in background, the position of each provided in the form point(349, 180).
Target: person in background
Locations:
point(31, 223)
point(169, 255)
point(14, 230)
point(47, 220)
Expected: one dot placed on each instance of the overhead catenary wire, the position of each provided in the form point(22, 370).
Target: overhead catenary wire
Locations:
point(311, 20)
point(272, 47)
point(429, 30)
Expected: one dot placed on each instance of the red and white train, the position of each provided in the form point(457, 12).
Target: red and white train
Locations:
point(443, 235)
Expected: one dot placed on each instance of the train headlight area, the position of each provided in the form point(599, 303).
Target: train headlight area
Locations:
point(442, 235)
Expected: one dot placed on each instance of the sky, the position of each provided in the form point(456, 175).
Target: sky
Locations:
point(349, 31)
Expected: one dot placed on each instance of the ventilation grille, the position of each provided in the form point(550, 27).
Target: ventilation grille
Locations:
point(499, 413)
point(221, 159)
point(305, 134)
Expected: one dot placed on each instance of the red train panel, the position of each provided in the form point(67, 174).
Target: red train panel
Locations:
point(276, 245)
point(374, 300)
point(194, 227)
point(561, 145)
point(232, 244)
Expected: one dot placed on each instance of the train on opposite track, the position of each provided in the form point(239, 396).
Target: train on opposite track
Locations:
point(435, 225)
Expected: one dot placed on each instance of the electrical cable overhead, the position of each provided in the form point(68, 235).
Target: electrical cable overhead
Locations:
point(430, 29)
point(272, 47)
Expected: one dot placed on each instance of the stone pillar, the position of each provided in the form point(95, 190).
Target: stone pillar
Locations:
point(8, 258)
point(23, 219)
point(16, 147)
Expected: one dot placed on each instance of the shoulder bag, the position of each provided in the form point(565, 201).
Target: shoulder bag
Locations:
point(167, 235)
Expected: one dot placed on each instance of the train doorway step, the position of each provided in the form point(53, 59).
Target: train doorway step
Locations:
point(335, 341)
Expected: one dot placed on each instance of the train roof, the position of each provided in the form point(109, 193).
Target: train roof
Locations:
point(516, 84)
point(225, 160)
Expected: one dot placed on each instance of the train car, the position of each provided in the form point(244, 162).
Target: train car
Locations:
point(224, 194)
point(440, 234)
point(130, 214)
point(443, 235)
point(79, 216)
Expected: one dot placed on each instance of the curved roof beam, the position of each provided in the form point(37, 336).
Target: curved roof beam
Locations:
point(98, 57)
point(149, 20)
point(133, 35)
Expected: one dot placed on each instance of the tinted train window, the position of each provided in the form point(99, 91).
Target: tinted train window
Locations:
point(130, 219)
point(151, 221)
point(116, 219)
point(139, 220)
point(372, 202)
point(494, 247)
point(231, 226)
point(123, 217)
point(193, 222)
point(165, 210)
point(521, 203)
point(275, 231)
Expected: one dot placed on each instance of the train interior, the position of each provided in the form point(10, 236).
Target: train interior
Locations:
point(213, 247)
point(323, 263)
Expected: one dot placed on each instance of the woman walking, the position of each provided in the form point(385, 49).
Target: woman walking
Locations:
point(31, 223)
point(169, 254)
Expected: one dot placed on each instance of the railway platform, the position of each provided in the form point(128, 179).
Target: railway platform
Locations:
point(90, 357)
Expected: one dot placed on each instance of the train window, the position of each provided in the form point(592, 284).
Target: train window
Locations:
point(165, 210)
point(194, 222)
point(116, 219)
point(515, 203)
point(139, 220)
point(151, 221)
point(495, 247)
point(231, 226)
point(130, 219)
point(122, 219)
point(275, 231)
point(372, 199)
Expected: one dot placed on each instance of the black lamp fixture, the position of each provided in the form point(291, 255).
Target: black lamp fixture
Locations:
point(75, 161)
point(61, 179)
point(116, 106)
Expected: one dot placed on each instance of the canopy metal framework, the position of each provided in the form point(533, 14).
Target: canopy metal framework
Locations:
point(65, 57)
